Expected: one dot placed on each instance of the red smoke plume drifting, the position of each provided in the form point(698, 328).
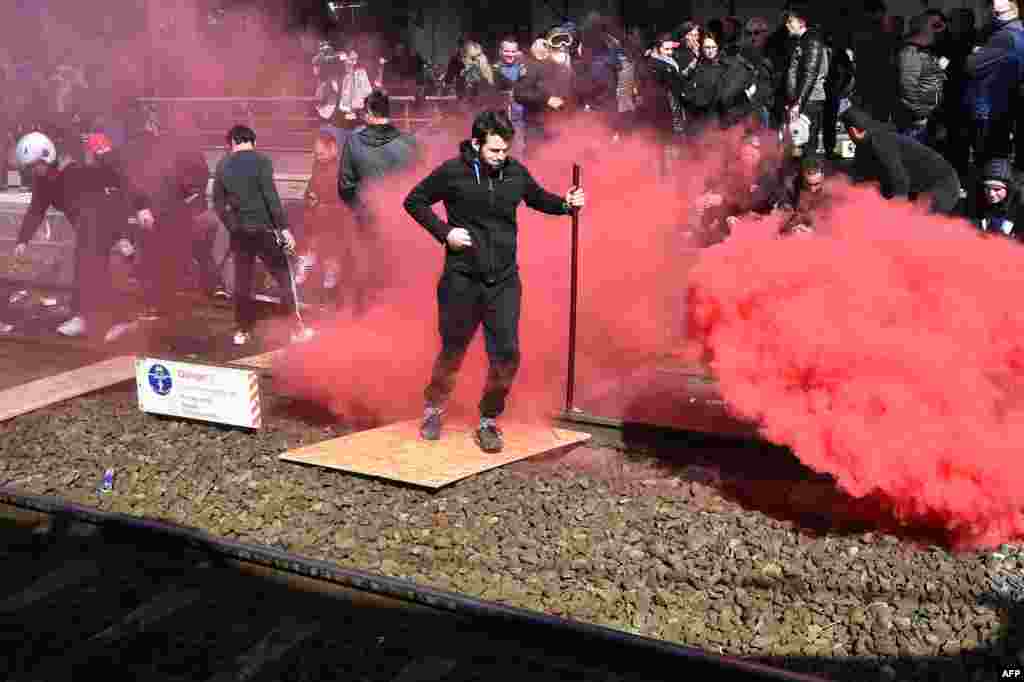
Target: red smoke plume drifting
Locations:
point(629, 231)
point(886, 353)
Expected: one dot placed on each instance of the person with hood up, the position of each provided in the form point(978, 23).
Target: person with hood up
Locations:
point(999, 211)
point(904, 167)
point(481, 190)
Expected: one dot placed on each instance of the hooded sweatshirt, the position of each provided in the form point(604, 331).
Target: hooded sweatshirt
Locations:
point(483, 202)
point(373, 151)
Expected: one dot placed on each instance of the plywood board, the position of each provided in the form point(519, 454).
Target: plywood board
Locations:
point(397, 452)
point(59, 387)
point(261, 361)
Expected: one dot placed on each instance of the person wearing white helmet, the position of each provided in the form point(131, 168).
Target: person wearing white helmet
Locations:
point(88, 197)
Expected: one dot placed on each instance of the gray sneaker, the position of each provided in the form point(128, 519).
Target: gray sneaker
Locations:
point(430, 429)
point(488, 437)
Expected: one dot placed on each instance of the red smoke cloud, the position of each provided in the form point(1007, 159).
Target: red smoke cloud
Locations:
point(886, 353)
point(630, 238)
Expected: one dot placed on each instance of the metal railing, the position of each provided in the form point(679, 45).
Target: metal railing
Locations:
point(298, 111)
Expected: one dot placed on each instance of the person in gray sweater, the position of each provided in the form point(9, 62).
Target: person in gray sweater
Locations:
point(247, 202)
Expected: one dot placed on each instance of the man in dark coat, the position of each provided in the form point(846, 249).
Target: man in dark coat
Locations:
point(994, 76)
point(165, 177)
point(904, 167)
point(481, 190)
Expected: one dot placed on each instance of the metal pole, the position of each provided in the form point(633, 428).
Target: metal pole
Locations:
point(573, 279)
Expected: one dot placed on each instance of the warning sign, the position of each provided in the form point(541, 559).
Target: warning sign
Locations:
point(225, 395)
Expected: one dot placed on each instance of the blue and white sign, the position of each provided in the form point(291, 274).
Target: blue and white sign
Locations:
point(224, 395)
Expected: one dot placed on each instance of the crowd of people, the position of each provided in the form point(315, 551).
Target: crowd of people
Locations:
point(930, 114)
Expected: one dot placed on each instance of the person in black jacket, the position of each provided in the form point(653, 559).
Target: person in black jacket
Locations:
point(481, 190)
point(165, 176)
point(921, 76)
point(246, 201)
point(373, 151)
point(903, 166)
point(1001, 208)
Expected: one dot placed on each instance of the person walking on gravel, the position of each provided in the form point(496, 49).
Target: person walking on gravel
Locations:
point(481, 189)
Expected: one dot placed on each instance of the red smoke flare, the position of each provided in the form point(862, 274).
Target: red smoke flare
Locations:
point(885, 352)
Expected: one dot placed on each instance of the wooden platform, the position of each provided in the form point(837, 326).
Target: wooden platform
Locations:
point(54, 389)
point(396, 451)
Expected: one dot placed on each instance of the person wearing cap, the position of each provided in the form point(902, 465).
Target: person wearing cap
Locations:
point(999, 209)
point(88, 195)
point(904, 167)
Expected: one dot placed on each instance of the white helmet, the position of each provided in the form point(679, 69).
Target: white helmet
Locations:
point(35, 147)
point(800, 129)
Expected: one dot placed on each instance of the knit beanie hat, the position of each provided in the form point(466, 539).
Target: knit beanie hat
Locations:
point(997, 169)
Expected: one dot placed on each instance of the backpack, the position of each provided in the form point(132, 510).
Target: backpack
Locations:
point(841, 80)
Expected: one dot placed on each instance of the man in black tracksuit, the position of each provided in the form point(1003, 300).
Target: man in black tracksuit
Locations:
point(246, 201)
point(481, 190)
point(903, 166)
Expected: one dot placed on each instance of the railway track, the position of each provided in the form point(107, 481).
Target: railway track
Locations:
point(88, 592)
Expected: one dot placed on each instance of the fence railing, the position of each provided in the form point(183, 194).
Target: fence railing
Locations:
point(298, 113)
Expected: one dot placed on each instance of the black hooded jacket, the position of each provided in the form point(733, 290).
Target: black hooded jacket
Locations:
point(373, 151)
point(484, 203)
point(903, 166)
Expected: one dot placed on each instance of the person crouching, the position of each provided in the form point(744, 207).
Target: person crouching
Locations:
point(999, 211)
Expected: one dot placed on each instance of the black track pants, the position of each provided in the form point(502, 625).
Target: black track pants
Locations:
point(463, 304)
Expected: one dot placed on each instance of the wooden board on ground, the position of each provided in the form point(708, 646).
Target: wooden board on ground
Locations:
point(261, 361)
point(59, 387)
point(396, 451)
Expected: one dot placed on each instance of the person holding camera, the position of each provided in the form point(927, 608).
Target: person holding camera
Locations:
point(247, 202)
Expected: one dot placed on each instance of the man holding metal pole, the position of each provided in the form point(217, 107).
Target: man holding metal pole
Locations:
point(481, 190)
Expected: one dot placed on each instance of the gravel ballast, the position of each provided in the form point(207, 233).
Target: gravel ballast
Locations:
point(726, 546)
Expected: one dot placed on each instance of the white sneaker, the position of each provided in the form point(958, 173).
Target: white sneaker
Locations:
point(6, 328)
point(303, 335)
point(125, 248)
point(74, 327)
point(241, 338)
point(119, 330)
